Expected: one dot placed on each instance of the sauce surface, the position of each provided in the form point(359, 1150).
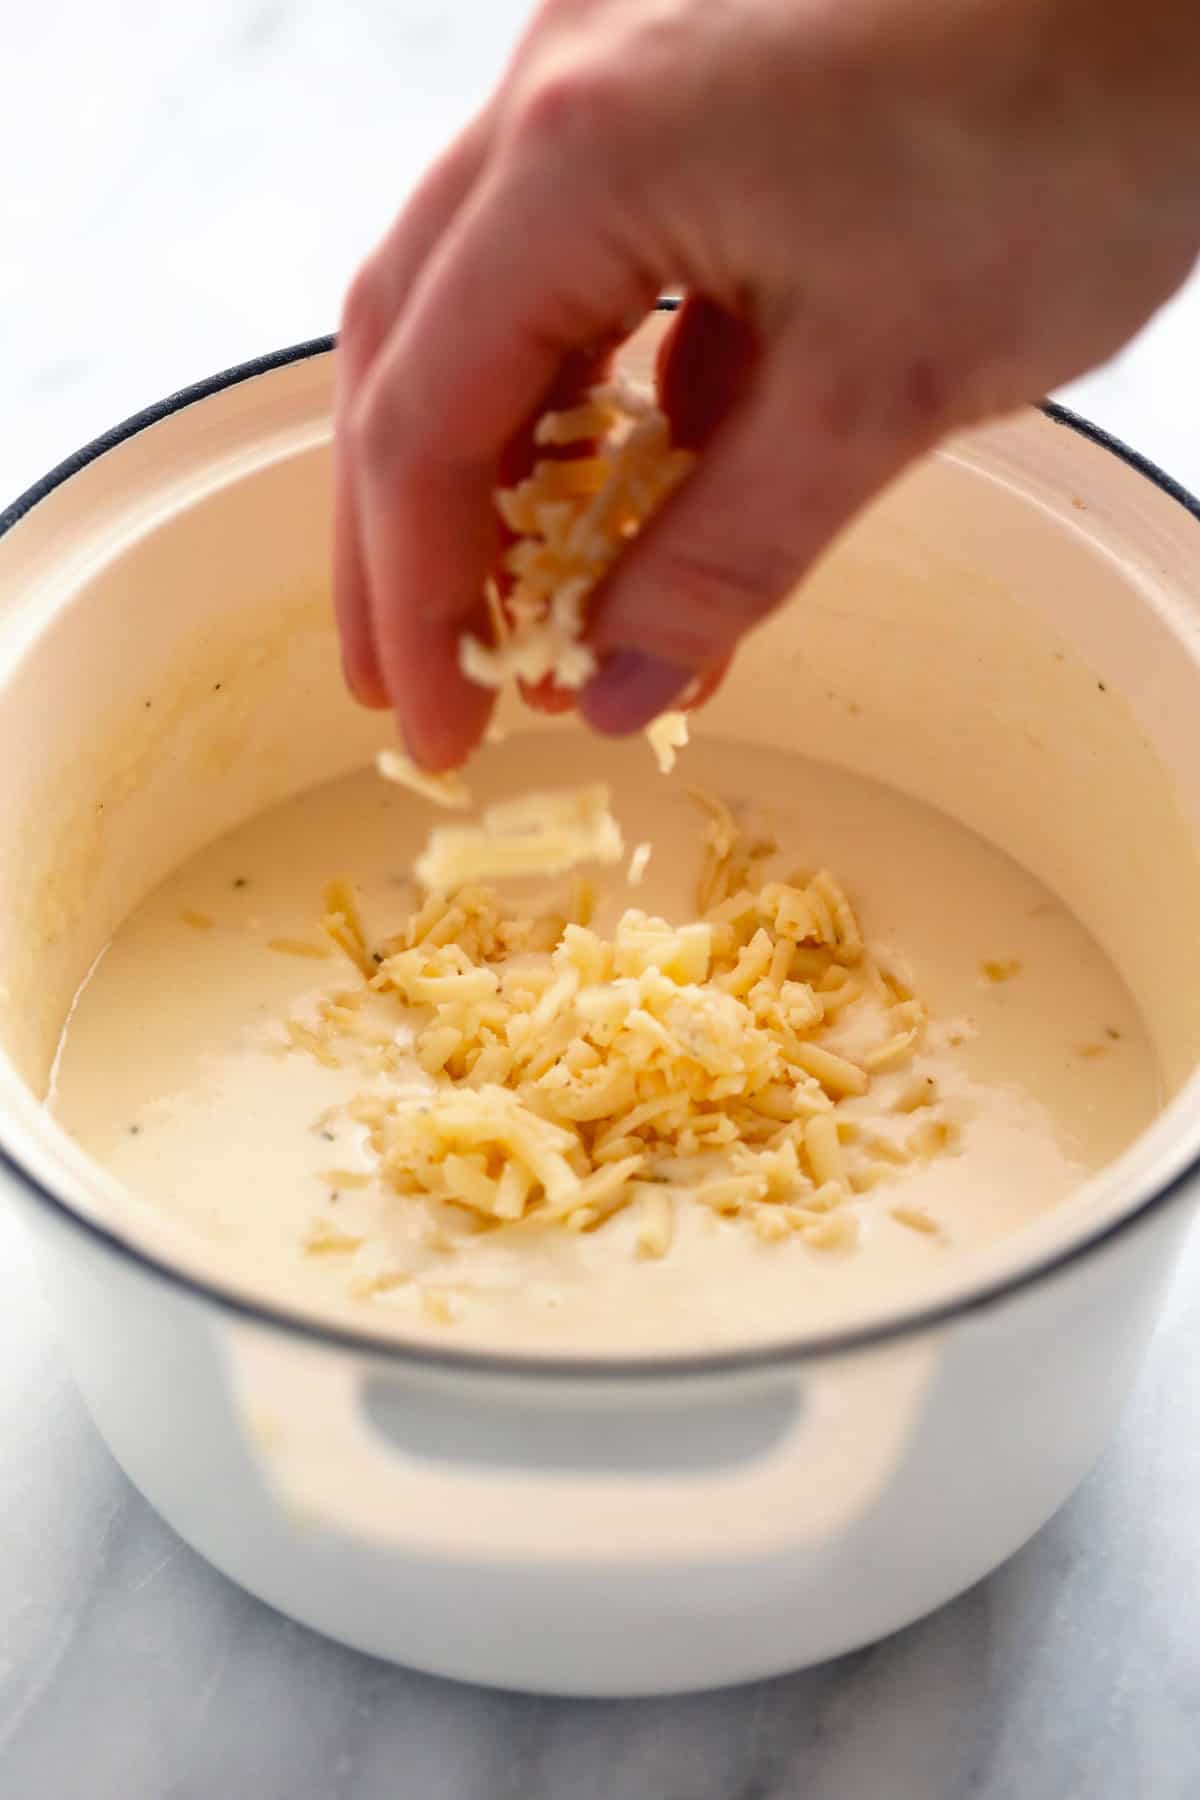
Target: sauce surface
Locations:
point(172, 1072)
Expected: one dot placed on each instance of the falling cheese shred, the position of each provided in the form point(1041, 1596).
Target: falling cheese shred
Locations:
point(668, 734)
point(448, 790)
point(638, 864)
point(538, 834)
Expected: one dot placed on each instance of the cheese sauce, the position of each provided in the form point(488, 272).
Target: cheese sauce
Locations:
point(172, 1072)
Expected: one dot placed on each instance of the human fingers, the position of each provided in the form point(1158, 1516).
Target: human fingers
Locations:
point(376, 297)
point(799, 455)
point(443, 401)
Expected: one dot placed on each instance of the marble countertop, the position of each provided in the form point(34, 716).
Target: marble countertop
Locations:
point(185, 187)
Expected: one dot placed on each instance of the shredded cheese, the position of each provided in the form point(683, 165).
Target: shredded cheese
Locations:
point(668, 734)
point(570, 1076)
point(638, 864)
point(571, 519)
point(538, 834)
point(444, 790)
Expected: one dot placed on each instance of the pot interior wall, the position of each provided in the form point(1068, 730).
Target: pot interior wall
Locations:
point(976, 641)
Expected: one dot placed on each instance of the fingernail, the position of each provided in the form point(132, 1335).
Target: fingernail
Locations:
point(630, 689)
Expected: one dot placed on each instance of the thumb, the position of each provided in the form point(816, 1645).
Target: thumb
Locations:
point(801, 452)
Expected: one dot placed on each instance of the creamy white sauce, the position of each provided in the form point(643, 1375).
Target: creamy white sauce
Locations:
point(171, 1076)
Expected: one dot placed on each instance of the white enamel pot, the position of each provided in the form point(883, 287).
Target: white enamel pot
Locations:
point(1015, 624)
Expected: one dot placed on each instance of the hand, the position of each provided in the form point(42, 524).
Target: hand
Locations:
point(893, 217)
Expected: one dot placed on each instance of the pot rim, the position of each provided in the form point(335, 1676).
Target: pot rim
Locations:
point(772, 1355)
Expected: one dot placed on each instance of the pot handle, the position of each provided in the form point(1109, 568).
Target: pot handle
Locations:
point(496, 1466)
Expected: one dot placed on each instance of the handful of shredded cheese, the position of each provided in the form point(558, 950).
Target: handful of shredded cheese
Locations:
point(572, 1075)
point(572, 518)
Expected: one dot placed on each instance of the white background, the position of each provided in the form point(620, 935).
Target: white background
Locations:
point(183, 186)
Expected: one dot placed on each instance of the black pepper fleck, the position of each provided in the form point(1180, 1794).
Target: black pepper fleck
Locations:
point(240, 881)
point(135, 1131)
point(1112, 1032)
point(1102, 686)
point(216, 687)
point(327, 1135)
point(376, 957)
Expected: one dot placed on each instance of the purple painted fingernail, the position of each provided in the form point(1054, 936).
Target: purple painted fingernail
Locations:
point(630, 689)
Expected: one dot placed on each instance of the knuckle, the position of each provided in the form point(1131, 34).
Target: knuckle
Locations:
point(925, 398)
point(361, 313)
point(554, 14)
point(377, 425)
point(573, 108)
point(364, 323)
